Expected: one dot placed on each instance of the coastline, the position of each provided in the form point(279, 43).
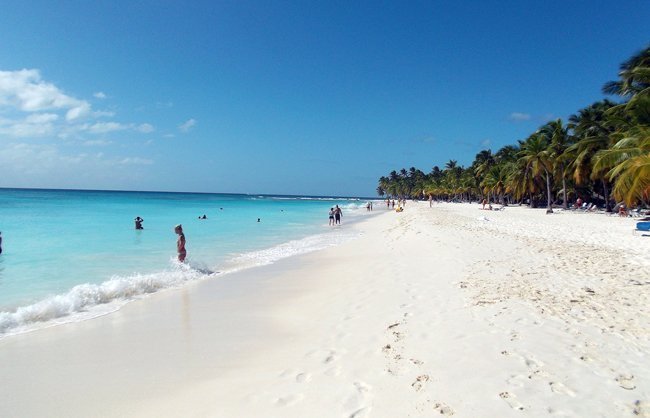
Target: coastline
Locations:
point(448, 310)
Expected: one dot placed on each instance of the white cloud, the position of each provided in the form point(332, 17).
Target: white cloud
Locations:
point(187, 125)
point(106, 127)
point(49, 138)
point(518, 116)
point(135, 161)
point(103, 113)
point(26, 91)
point(145, 128)
point(77, 112)
point(41, 118)
point(34, 125)
point(97, 143)
point(49, 111)
point(50, 165)
point(486, 143)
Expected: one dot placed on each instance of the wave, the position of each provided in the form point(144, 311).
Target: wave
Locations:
point(288, 249)
point(87, 301)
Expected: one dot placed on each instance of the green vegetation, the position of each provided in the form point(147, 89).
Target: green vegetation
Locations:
point(602, 154)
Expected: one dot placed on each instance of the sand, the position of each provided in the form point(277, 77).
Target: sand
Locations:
point(439, 311)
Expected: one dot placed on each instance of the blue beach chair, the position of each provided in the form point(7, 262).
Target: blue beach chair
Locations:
point(643, 226)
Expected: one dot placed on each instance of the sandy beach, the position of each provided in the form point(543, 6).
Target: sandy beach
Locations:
point(439, 311)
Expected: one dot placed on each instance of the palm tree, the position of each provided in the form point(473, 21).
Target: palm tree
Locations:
point(495, 181)
point(481, 165)
point(628, 159)
point(592, 128)
point(534, 155)
point(634, 77)
point(630, 162)
point(557, 134)
point(520, 182)
point(383, 186)
point(507, 154)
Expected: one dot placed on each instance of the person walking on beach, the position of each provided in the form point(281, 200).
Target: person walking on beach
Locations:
point(180, 243)
point(337, 215)
point(331, 216)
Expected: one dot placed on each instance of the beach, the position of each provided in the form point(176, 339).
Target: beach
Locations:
point(440, 311)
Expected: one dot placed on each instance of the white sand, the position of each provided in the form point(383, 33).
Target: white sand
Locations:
point(443, 311)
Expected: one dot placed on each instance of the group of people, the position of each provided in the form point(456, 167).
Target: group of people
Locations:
point(178, 229)
point(335, 215)
point(390, 204)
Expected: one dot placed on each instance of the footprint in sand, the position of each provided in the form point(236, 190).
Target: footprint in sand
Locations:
point(558, 387)
point(360, 413)
point(420, 381)
point(289, 400)
point(626, 381)
point(444, 409)
point(511, 400)
point(333, 372)
point(358, 401)
point(303, 377)
point(641, 409)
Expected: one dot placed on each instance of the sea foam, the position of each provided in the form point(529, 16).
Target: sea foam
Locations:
point(87, 301)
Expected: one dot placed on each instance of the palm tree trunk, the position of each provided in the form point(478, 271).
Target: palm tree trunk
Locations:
point(565, 204)
point(549, 206)
point(606, 194)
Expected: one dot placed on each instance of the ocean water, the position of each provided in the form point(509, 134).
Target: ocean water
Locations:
point(71, 255)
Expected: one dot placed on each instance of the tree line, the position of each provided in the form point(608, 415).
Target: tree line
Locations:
point(602, 154)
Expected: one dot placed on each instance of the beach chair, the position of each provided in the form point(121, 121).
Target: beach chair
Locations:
point(637, 213)
point(587, 207)
point(643, 227)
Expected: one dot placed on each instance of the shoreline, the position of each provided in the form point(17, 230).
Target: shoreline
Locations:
point(429, 312)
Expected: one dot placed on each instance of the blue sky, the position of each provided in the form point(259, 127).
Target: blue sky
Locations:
point(318, 98)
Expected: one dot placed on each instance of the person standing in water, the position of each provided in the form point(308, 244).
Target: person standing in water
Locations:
point(180, 243)
point(0, 242)
point(337, 215)
point(138, 222)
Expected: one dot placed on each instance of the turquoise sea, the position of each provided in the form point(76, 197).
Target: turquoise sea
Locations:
point(70, 255)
